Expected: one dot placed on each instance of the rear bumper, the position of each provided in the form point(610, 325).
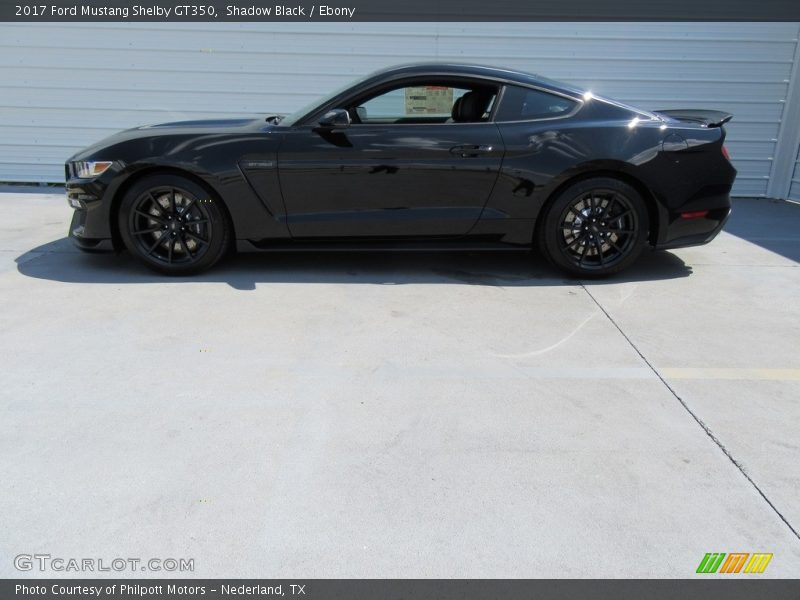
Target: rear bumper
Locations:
point(681, 231)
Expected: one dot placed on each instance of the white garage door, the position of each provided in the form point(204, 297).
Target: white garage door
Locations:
point(64, 86)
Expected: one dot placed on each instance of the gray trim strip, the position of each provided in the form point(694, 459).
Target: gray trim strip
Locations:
point(786, 149)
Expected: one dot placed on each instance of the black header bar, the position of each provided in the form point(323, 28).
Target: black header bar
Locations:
point(399, 10)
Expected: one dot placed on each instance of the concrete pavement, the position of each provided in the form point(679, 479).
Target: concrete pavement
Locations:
point(401, 415)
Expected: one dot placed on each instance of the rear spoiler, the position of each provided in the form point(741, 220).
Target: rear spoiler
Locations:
point(707, 118)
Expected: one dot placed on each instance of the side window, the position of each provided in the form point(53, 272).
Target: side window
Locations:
point(522, 104)
point(420, 103)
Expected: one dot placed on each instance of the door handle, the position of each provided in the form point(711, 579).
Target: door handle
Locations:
point(471, 150)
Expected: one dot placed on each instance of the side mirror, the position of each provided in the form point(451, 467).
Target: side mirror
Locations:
point(337, 118)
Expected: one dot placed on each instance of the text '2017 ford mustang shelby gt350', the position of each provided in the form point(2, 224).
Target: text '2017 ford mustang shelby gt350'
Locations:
point(425, 155)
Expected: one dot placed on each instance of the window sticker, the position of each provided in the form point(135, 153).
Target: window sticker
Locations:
point(429, 100)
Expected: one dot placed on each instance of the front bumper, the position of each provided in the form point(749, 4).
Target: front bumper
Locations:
point(90, 229)
point(77, 233)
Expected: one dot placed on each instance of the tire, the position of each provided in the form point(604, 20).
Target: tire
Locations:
point(594, 228)
point(173, 225)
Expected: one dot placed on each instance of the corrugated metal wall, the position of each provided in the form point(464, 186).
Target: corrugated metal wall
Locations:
point(794, 189)
point(63, 86)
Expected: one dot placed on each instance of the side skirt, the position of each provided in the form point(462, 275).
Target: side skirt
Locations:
point(372, 246)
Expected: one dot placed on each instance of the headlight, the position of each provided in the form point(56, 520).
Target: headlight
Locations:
point(90, 169)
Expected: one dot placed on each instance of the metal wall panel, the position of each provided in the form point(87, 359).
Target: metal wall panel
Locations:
point(63, 86)
point(794, 189)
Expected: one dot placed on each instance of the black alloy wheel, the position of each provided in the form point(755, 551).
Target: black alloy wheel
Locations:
point(173, 225)
point(595, 228)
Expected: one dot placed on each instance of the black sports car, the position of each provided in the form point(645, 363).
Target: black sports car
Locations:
point(444, 155)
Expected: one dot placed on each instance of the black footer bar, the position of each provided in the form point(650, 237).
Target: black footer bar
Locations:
point(397, 589)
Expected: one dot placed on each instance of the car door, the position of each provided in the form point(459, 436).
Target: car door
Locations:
point(400, 175)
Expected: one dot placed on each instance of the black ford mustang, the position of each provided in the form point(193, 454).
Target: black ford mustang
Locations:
point(444, 155)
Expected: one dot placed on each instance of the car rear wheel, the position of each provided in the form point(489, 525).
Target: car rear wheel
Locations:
point(594, 228)
point(173, 225)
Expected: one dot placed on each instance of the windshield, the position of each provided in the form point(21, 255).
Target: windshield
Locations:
point(293, 118)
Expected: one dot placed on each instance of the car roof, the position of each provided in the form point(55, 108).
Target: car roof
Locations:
point(477, 70)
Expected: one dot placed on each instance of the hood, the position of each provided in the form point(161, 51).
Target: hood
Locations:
point(179, 128)
point(209, 125)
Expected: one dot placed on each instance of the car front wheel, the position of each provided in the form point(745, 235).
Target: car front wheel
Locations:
point(594, 228)
point(173, 225)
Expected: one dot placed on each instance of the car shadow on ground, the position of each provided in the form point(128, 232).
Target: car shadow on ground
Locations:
point(59, 261)
point(772, 224)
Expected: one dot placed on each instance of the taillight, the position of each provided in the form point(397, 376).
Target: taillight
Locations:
point(694, 214)
point(725, 153)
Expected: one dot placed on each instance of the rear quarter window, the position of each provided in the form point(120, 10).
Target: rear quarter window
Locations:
point(523, 104)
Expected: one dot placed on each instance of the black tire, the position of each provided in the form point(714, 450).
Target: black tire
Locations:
point(594, 228)
point(173, 225)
